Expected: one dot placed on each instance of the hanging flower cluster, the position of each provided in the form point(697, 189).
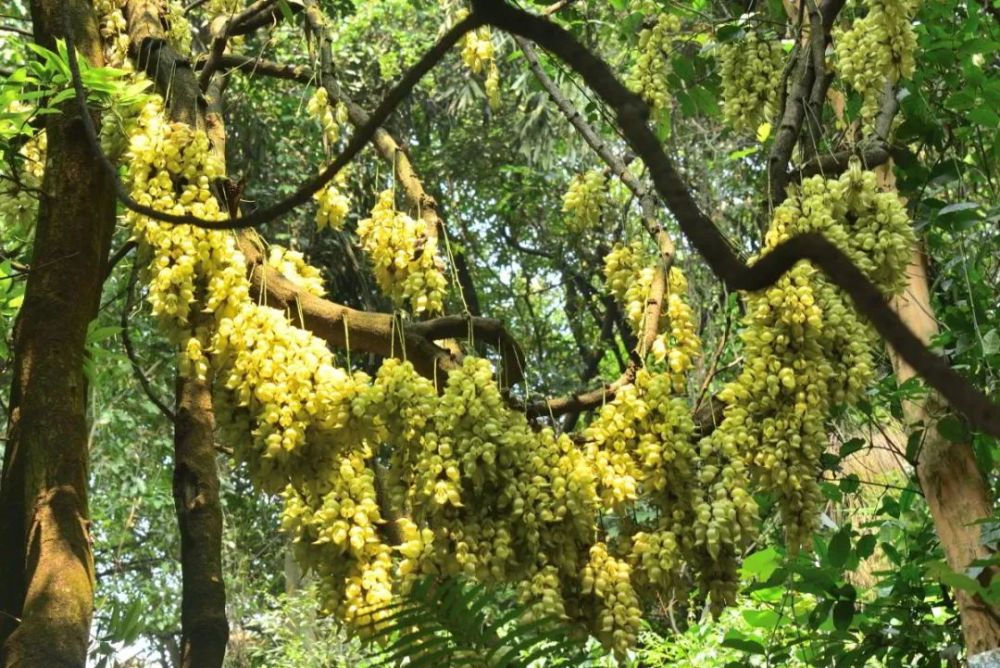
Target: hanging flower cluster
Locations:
point(21, 181)
point(806, 349)
point(468, 485)
point(179, 31)
point(334, 202)
point(876, 49)
point(629, 276)
point(585, 201)
point(751, 69)
point(479, 55)
point(293, 266)
point(404, 255)
point(651, 69)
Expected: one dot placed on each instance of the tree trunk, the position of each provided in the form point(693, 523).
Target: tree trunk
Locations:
point(955, 489)
point(199, 514)
point(47, 582)
point(204, 626)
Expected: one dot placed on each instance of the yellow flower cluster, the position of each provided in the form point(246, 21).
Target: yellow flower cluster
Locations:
point(806, 349)
point(171, 167)
point(657, 560)
point(224, 6)
point(479, 55)
point(619, 616)
point(679, 344)
point(543, 590)
point(293, 266)
point(477, 489)
point(629, 277)
point(334, 202)
point(331, 118)
point(21, 180)
point(404, 255)
point(751, 70)
point(114, 33)
point(638, 442)
point(585, 201)
point(179, 31)
point(335, 536)
point(301, 405)
point(649, 74)
point(876, 49)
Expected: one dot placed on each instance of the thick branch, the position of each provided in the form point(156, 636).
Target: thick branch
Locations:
point(380, 334)
point(712, 244)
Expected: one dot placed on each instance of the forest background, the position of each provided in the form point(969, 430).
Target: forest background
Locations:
point(526, 180)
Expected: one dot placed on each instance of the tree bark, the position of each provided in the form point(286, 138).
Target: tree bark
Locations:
point(47, 583)
point(205, 629)
point(955, 489)
point(204, 626)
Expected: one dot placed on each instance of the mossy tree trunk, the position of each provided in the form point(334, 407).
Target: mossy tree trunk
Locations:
point(46, 564)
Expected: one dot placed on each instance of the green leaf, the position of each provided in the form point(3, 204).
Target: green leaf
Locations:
point(991, 342)
point(851, 446)
point(866, 546)
point(762, 619)
point(839, 550)
point(843, 615)
point(762, 563)
point(953, 429)
point(737, 640)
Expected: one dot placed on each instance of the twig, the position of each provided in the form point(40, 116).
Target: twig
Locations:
point(130, 349)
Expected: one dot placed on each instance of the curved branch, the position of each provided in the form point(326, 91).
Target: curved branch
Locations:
point(310, 186)
point(712, 244)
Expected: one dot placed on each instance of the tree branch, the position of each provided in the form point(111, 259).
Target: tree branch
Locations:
point(153, 42)
point(712, 244)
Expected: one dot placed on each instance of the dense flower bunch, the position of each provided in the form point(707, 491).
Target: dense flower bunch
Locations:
point(331, 118)
point(806, 349)
point(404, 255)
point(629, 277)
point(678, 343)
point(334, 202)
point(648, 76)
point(336, 538)
point(466, 484)
point(608, 579)
point(751, 70)
point(223, 6)
point(171, 168)
point(585, 201)
point(479, 55)
point(876, 49)
point(179, 32)
point(114, 32)
point(293, 266)
point(20, 182)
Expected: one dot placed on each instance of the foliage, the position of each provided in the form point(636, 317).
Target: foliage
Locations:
point(454, 623)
